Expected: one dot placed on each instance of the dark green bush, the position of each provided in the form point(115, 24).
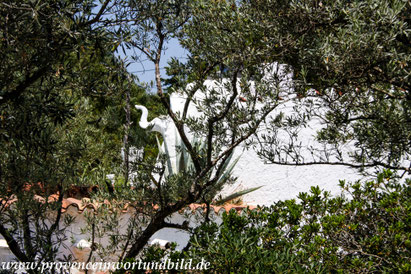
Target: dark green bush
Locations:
point(365, 229)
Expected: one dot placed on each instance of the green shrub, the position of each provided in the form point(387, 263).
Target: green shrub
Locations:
point(365, 229)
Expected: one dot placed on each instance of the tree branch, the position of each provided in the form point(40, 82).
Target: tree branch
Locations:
point(59, 212)
point(177, 122)
point(374, 164)
point(13, 245)
point(195, 88)
point(99, 14)
point(221, 116)
point(27, 234)
point(183, 226)
point(14, 94)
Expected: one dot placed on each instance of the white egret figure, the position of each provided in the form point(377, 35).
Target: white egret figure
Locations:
point(168, 131)
point(156, 124)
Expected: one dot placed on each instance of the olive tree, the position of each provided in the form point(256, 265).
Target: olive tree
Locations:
point(52, 54)
point(350, 63)
point(225, 79)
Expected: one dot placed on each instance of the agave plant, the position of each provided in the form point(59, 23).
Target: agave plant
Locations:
point(175, 158)
point(182, 163)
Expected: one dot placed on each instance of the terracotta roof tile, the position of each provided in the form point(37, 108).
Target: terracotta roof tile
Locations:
point(81, 205)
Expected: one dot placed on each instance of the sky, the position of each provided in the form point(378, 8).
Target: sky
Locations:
point(144, 70)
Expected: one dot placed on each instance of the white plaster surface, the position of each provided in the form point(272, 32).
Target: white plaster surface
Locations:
point(279, 182)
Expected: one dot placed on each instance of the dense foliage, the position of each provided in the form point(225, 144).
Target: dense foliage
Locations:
point(39, 43)
point(366, 229)
point(350, 63)
point(62, 100)
point(66, 114)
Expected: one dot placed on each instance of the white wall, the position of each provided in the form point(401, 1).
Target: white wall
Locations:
point(279, 182)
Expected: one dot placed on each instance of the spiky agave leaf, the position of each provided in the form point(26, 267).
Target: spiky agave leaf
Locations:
point(236, 195)
point(182, 157)
point(228, 169)
point(184, 163)
point(164, 151)
point(171, 171)
point(160, 148)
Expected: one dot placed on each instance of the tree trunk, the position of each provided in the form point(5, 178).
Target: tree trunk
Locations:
point(126, 146)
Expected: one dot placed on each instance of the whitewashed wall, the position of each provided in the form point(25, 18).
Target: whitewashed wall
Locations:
point(279, 182)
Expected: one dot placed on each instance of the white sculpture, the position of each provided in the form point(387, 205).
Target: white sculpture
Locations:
point(156, 124)
point(169, 133)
